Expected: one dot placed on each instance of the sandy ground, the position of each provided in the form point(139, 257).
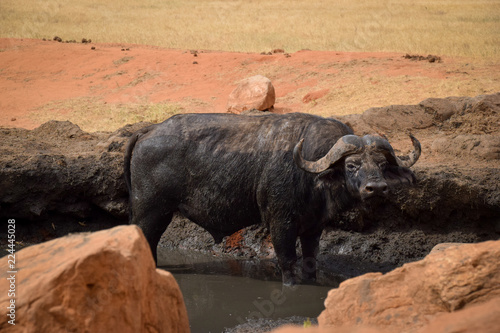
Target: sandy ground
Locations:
point(34, 73)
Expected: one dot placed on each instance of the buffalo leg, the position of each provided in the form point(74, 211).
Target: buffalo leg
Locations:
point(310, 245)
point(284, 245)
point(153, 224)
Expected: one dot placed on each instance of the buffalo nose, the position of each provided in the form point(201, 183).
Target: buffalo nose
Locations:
point(376, 188)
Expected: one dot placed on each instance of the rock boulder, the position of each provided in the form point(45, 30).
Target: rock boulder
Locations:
point(93, 282)
point(256, 92)
point(458, 286)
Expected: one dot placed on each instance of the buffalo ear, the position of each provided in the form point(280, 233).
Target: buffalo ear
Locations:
point(331, 175)
point(396, 175)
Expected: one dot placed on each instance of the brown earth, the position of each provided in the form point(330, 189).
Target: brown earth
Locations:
point(56, 178)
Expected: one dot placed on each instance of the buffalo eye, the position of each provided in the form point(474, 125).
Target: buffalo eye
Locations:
point(383, 165)
point(352, 167)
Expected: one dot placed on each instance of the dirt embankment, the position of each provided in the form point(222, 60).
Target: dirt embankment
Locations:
point(57, 179)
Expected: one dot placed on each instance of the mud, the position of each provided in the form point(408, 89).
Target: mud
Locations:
point(57, 179)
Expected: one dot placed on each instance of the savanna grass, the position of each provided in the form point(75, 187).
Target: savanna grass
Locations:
point(453, 28)
point(93, 115)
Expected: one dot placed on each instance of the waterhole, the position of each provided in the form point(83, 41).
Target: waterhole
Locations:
point(221, 293)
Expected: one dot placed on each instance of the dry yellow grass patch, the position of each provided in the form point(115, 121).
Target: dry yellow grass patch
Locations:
point(93, 115)
point(447, 27)
point(354, 92)
point(353, 98)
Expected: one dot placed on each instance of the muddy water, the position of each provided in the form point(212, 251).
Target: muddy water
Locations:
point(222, 293)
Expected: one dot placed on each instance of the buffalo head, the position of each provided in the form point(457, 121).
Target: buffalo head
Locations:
point(369, 165)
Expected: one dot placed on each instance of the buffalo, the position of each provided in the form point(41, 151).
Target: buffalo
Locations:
point(295, 173)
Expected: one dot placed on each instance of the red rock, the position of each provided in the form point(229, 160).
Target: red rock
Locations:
point(256, 92)
point(449, 284)
point(105, 281)
point(484, 318)
point(314, 95)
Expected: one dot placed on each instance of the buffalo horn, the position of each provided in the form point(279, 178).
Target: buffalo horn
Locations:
point(383, 145)
point(413, 156)
point(346, 145)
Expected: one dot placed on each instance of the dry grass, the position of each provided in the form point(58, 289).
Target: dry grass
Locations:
point(453, 28)
point(354, 91)
point(377, 91)
point(93, 115)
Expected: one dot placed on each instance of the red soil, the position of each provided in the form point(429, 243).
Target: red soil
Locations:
point(35, 72)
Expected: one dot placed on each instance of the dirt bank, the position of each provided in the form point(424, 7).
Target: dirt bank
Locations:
point(57, 179)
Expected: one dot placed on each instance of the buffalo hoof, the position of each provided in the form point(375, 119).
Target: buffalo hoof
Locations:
point(308, 277)
point(289, 279)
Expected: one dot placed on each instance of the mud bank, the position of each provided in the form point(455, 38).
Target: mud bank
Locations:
point(57, 179)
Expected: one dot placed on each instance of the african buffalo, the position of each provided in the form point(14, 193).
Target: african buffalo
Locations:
point(293, 172)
